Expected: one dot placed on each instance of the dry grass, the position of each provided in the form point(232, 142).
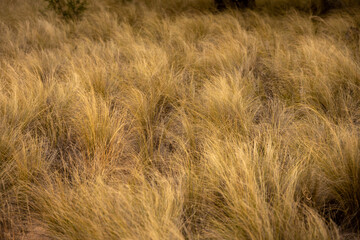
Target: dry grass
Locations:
point(168, 120)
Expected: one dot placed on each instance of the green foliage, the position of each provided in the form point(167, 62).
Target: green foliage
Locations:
point(68, 9)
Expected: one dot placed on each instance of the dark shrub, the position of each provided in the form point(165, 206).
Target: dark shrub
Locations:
point(222, 4)
point(68, 9)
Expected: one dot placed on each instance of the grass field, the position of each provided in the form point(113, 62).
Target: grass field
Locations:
point(157, 119)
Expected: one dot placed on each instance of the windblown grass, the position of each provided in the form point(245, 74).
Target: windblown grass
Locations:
point(168, 120)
